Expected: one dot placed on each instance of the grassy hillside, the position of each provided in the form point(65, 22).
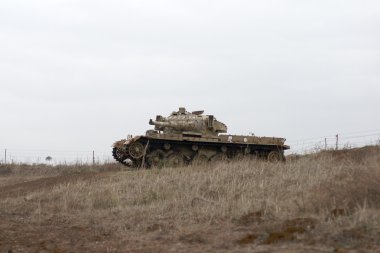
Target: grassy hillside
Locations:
point(320, 203)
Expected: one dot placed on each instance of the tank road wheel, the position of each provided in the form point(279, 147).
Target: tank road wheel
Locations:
point(175, 160)
point(136, 150)
point(200, 159)
point(274, 156)
point(156, 158)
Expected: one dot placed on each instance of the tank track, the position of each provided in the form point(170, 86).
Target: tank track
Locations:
point(161, 153)
point(122, 156)
point(117, 157)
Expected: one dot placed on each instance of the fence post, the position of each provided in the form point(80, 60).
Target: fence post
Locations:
point(325, 143)
point(337, 142)
point(93, 157)
point(5, 156)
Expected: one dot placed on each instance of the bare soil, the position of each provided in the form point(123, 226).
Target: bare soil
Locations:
point(23, 188)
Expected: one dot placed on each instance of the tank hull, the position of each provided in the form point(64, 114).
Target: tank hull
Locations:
point(162, 149)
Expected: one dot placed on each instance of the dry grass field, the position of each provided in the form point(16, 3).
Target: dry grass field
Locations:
point(325, 202)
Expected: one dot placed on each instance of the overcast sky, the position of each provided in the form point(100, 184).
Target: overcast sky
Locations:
point(79, 75)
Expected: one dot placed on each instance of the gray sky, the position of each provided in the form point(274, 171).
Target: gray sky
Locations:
point(79, 75)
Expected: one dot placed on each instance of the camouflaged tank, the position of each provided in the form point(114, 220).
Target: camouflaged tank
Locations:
point(184, 138)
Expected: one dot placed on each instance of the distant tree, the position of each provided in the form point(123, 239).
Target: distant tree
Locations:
point(48, 158)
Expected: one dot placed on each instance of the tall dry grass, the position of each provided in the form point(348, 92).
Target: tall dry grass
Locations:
point(341, 194)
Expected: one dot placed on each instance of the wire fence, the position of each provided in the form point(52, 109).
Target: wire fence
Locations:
point(300, 146)
point(337, 141)
point(55, 157)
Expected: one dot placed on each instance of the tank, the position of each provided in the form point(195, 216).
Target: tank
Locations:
point(185, 138)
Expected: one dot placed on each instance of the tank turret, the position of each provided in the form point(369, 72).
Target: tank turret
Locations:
point(194, 123)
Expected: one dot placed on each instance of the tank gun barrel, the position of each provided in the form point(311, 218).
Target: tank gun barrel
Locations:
point(159, 123)
point(180, 125)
